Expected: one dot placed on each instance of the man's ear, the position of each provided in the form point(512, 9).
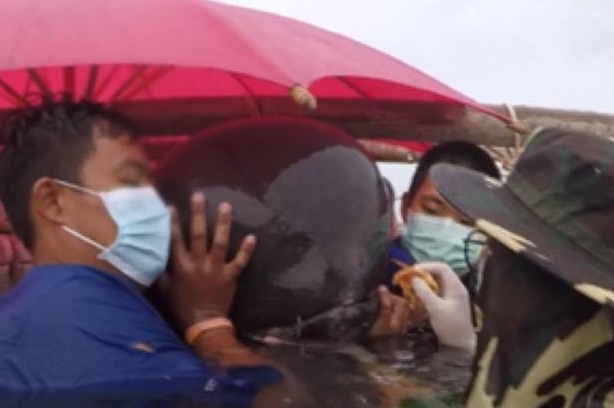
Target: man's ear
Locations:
point(47, 200)
point(405, 204)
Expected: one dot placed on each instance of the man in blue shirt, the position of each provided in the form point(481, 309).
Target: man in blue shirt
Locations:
point(76, 188)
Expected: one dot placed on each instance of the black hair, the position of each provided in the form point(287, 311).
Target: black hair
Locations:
point(50, 139)
point(460, 153)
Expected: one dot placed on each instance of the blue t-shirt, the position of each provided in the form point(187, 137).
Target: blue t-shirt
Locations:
point(74, 327)
point(396, 252)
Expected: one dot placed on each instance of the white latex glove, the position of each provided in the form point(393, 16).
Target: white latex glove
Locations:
point(450, 313)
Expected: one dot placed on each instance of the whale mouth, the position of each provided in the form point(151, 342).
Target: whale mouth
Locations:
point(342, 323)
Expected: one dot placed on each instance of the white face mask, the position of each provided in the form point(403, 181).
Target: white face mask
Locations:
point(429, 238)
point(142, 246)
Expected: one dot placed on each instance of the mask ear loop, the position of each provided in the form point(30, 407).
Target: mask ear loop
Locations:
point(71, 231)
point(83, 238)
point(75, 187)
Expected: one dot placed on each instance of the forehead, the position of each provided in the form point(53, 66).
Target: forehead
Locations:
point(109, 156)
point(427, 194)
point(427, 188)
point(110, 152)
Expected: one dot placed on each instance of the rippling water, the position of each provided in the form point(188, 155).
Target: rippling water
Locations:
point(407, 372)
point(410, 371)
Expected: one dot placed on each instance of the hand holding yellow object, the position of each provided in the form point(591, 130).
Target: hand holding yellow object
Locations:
point(403, 279)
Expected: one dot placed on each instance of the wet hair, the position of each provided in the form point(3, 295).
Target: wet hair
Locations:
point(50, 139)
point(459, 153)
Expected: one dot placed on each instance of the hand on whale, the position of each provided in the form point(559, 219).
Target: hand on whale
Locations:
point(200, 287)
point(203, 283)
point(394, 315)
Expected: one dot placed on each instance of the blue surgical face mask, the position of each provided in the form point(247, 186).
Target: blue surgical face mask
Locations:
point(141, 248)
point(429, 238)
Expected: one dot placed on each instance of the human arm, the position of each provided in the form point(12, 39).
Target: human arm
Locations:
point(201, 284)
point(200, 290)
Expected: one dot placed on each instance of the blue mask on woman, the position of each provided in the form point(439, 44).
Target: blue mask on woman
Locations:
point(141, 248)
point(429, 238)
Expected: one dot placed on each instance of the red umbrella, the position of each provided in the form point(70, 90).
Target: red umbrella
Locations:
point(176, 65)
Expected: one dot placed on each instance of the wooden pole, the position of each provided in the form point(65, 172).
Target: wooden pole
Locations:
point(503, 142)
point(533, 117)
point(484, 130)
point(384, 152)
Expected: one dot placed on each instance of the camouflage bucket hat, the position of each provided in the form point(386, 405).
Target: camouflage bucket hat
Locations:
point(556, 207)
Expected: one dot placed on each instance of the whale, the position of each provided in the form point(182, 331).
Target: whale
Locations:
point(316, 203)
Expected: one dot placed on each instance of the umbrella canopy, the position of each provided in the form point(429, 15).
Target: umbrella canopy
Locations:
point(176, 65)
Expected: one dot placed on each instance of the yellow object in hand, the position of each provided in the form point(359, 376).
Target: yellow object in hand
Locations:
point(403, 278)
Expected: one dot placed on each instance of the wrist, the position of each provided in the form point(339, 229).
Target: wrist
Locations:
point(188, 320)
point(207, 325)
point(218, 344)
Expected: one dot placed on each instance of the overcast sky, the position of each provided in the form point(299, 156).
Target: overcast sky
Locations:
point(553, 53)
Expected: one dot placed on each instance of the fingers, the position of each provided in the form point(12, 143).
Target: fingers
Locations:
point(221, 236)
point(178, 248)
point(243, 256)
point(399, 319)
point(393, 315)
point(429, 298)
point(198, 227)
point(215, 257)
point(385, 298)
point(417, 317)
point(381, 326)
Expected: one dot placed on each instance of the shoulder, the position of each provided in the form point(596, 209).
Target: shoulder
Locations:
point(52, 283)
point(65, 294)
point(33, 288)
point(79, 326)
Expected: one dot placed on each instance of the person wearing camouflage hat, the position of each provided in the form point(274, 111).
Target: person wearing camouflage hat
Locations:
point(546, 336)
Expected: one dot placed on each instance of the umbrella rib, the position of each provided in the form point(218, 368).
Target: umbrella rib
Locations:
point(252, 105)
point(359, 91)
point(106, 81)
point(147, 80)
point(69, 80)
point(92, 76)
point(353, 87)
point(138, 71)
point(39, 82)
point(11, 94)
